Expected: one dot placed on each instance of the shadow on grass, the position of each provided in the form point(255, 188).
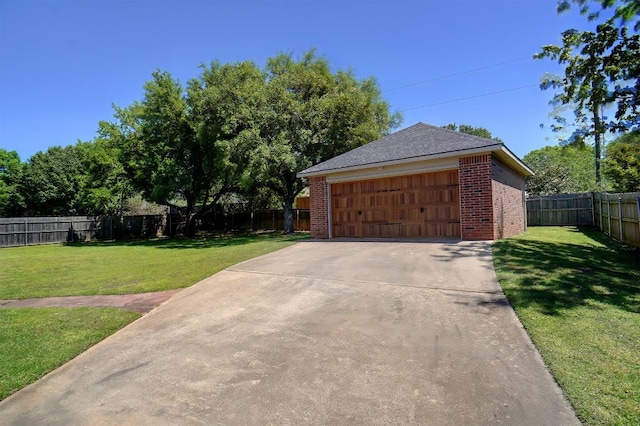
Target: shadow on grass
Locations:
point(554, 276)
point(195, 242)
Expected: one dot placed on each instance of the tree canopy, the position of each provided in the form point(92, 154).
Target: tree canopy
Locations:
point(240, 129)
point(560, 169)
point(52, 182)
point(624, 10)
point(105, 188)
point(601, 69)
point(235, 132)
point(622, 165)
point(11, 171)
point(181, 146)
point(311, 115)
point(471, 130)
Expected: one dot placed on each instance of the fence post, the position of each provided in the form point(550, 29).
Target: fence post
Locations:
point(252, 228)
point(593, 211)
point(609, 215)
point(524, 209)
point(638, 205)
point(600, 212)
point(26, 230)
point(620, 215)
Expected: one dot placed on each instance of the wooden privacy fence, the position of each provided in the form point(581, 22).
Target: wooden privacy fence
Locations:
point(21, 231)
point(272, 219)
point(561, 209)
point(617, 215)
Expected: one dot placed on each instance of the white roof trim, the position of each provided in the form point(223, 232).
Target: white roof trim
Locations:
point(514, 161)
point(375, 172)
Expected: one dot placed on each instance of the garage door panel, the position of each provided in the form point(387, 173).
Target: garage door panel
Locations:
point(375, 216)
point(425, 205)
point(346, 230)
point(409, 215)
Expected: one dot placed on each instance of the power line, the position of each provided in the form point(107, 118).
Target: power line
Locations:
point(456, 74)
point(471, 97)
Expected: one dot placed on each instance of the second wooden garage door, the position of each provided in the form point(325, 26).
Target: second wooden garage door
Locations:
point(425, 205)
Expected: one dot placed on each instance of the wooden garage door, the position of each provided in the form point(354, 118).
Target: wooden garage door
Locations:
point(425, 205)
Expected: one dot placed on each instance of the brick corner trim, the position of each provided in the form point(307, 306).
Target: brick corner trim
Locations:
point(319, 207)
point(476, 197)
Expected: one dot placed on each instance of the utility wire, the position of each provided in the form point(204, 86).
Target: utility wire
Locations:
point(471, 97)
point(456, 74)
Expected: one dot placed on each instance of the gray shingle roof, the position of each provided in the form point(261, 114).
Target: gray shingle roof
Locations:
point(419, 140)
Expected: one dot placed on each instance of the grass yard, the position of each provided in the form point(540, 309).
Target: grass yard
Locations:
point(124, 267)
point(34, 341)
point(578, 295)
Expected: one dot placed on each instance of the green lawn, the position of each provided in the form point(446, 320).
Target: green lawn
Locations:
point(34, 341)
point(578, 295)
point(125, 267)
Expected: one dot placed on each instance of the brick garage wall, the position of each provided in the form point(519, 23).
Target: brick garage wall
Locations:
point(476, 201)
point(509, 217)
point(319, 207)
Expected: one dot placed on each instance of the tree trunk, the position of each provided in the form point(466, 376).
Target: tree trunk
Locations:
point(288, 215)
point(188, 224)
point(189, 220)
point(597, 147)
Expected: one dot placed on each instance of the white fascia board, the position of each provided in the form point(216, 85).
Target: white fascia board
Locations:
point(432, 165)
point(510, 158)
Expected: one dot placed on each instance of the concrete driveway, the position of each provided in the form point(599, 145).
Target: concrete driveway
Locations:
point(339, 332)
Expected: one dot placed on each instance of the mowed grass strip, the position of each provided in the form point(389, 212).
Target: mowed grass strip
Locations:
point(578, 295)
point(125, 267)
point(34, 341)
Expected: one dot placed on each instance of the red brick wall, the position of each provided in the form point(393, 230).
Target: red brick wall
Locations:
point(508, 201)
point(319, 207)
point(476, 201)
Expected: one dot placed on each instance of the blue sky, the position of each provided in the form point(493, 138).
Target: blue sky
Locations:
point(64, 63)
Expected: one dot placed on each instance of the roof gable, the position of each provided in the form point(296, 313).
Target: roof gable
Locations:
point(419, 140)
point(415, 142)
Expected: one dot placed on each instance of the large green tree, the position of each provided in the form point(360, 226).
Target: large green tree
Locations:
point(11, 171)
point(560, 169)
point(183, 147)
point(239, 129)
point(312, 114)
point(601, 70)
point(106, 185)
point(52, 182)
point(471, 130)
point(86, 178)
point(622, 165)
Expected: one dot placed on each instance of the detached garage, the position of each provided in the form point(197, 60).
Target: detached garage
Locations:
point(421, 182)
